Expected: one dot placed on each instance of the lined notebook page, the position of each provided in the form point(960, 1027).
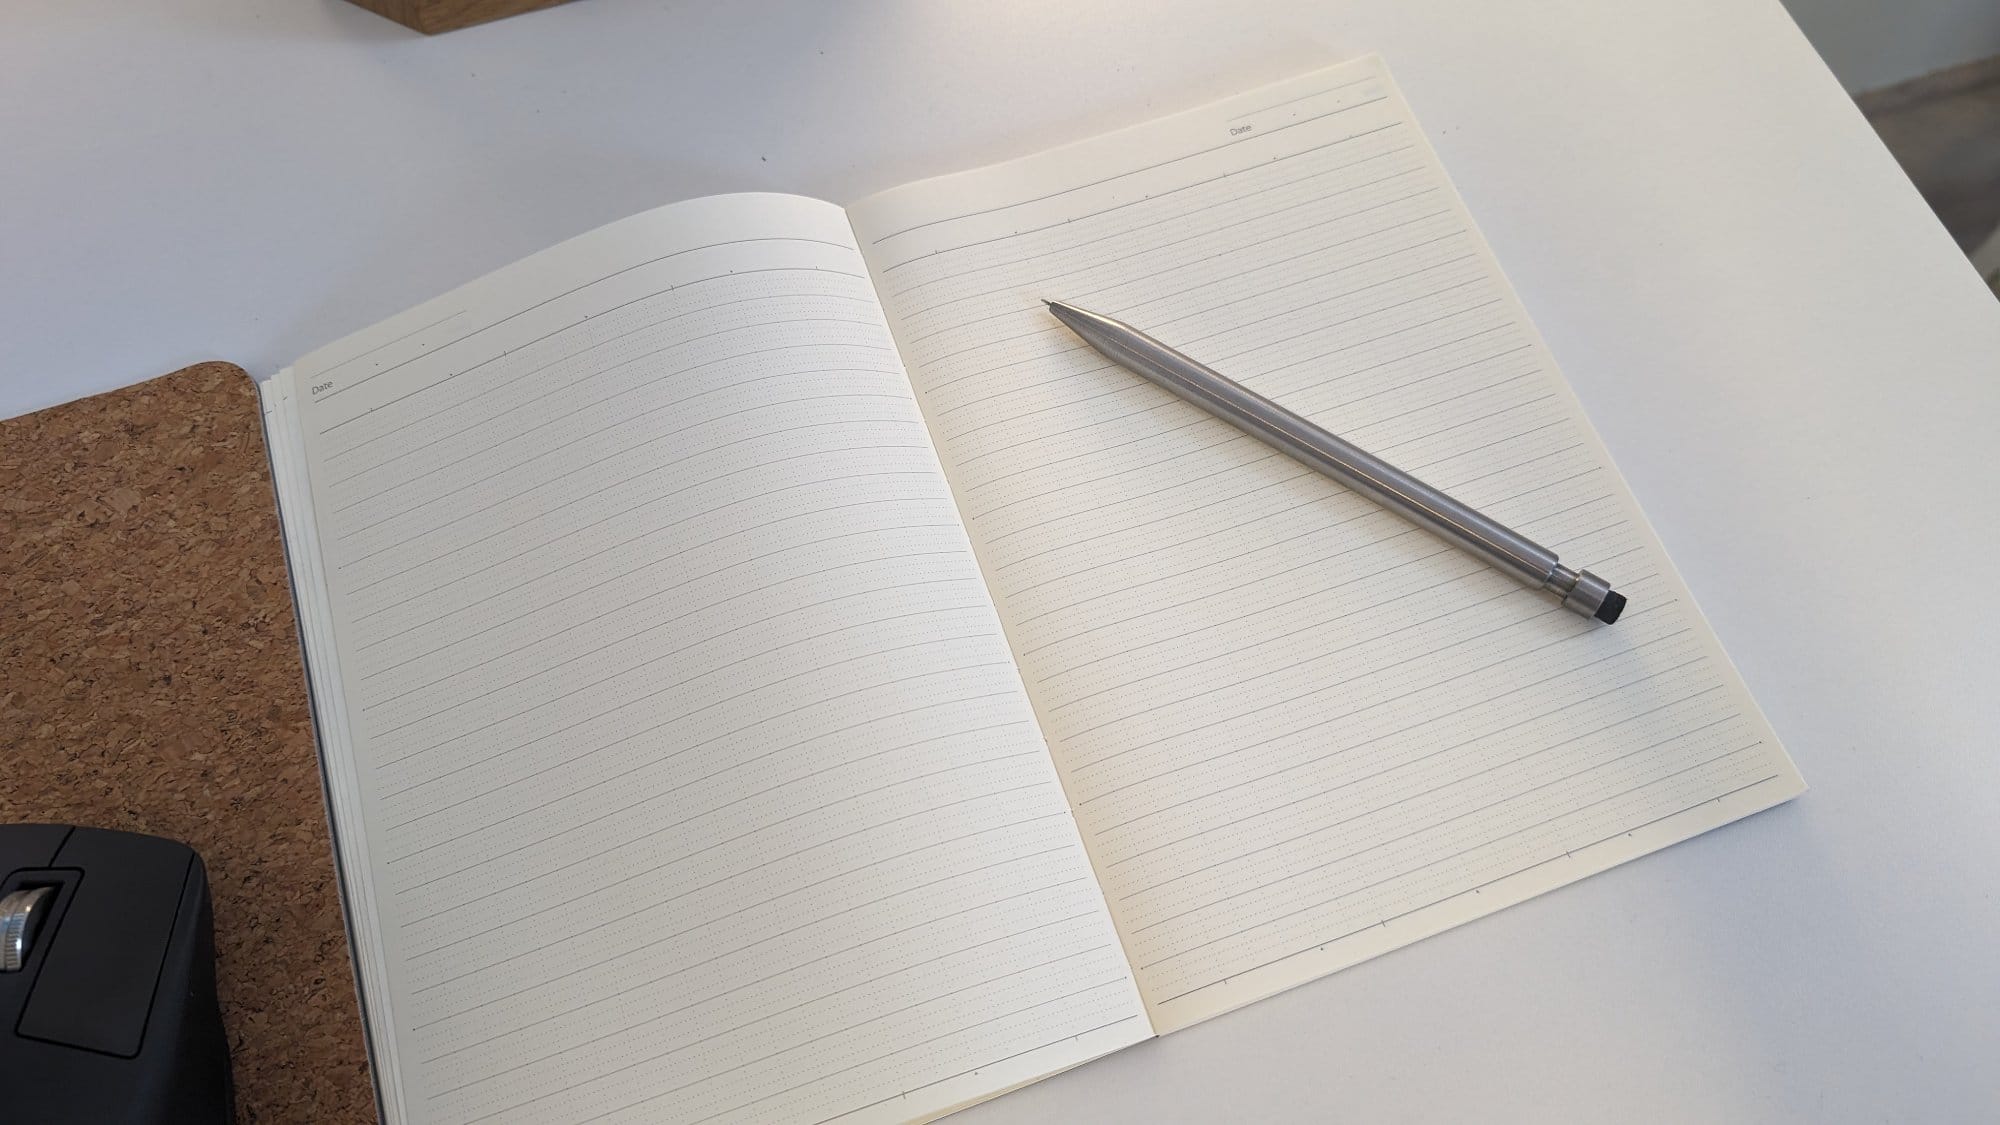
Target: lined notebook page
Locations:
point(683, 773)
point(1298, 732)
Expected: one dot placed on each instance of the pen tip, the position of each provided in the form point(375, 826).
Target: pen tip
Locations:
point(1612, 606)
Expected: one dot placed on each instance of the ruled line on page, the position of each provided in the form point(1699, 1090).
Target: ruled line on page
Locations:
point(875, 980)
point(474, 666)
point(762, 826)
point(1319, 793)
point(533, 547)
point(927, 921)
point(962, 325)
point(381, 519)
point(1319, 93)
point(837, 1031)
point(651, 905)
point(1567, 854)
point(647, 533)
point(1129, 783)
point(1456, 780)
point(652, 594)
point(1098, 265)
point(732, 244)
point(1133, 172)
point(963, 1073)
point(1307, 175)
point(463, 903)
point(1227, 649)
point(642, 324)
point(859, 658)
point(992, 1019)
point(393, 341)
point(652, 608)
point(1483, 843)
point(653, 658)
point(550, 421)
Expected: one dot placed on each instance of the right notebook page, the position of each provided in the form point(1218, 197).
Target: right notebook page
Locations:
point(1296, 731)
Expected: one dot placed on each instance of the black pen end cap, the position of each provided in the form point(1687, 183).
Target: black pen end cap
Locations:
point(1614, 604)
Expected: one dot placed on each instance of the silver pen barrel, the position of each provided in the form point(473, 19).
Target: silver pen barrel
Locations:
point(1533, 564)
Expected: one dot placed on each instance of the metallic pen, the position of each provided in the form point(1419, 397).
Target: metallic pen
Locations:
point(1533, 564)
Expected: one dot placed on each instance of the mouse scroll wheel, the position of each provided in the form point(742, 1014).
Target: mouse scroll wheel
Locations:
point(20, 913)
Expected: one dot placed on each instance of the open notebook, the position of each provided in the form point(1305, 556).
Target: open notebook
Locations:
point(769, 670)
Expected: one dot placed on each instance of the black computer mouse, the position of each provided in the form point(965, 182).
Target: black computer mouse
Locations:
point(107, 981)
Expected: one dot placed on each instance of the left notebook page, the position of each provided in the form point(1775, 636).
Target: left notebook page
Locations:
point(679, 768)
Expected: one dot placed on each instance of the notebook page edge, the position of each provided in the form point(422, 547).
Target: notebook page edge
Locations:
point(336, 766)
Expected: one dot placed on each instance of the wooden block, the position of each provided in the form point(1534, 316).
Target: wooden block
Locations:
point(433, 16)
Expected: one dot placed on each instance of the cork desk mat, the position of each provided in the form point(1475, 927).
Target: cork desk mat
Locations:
point(150, 681)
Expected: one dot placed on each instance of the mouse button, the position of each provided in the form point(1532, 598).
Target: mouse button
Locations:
point(100, 966)
point(29, 845)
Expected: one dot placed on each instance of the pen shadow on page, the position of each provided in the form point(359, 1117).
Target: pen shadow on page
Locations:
point(474, 225)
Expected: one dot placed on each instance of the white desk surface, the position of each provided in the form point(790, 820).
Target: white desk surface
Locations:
point(1797, 371)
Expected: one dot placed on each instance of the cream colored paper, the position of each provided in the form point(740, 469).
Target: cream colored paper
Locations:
point(1296, 731)
point(681, 767)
